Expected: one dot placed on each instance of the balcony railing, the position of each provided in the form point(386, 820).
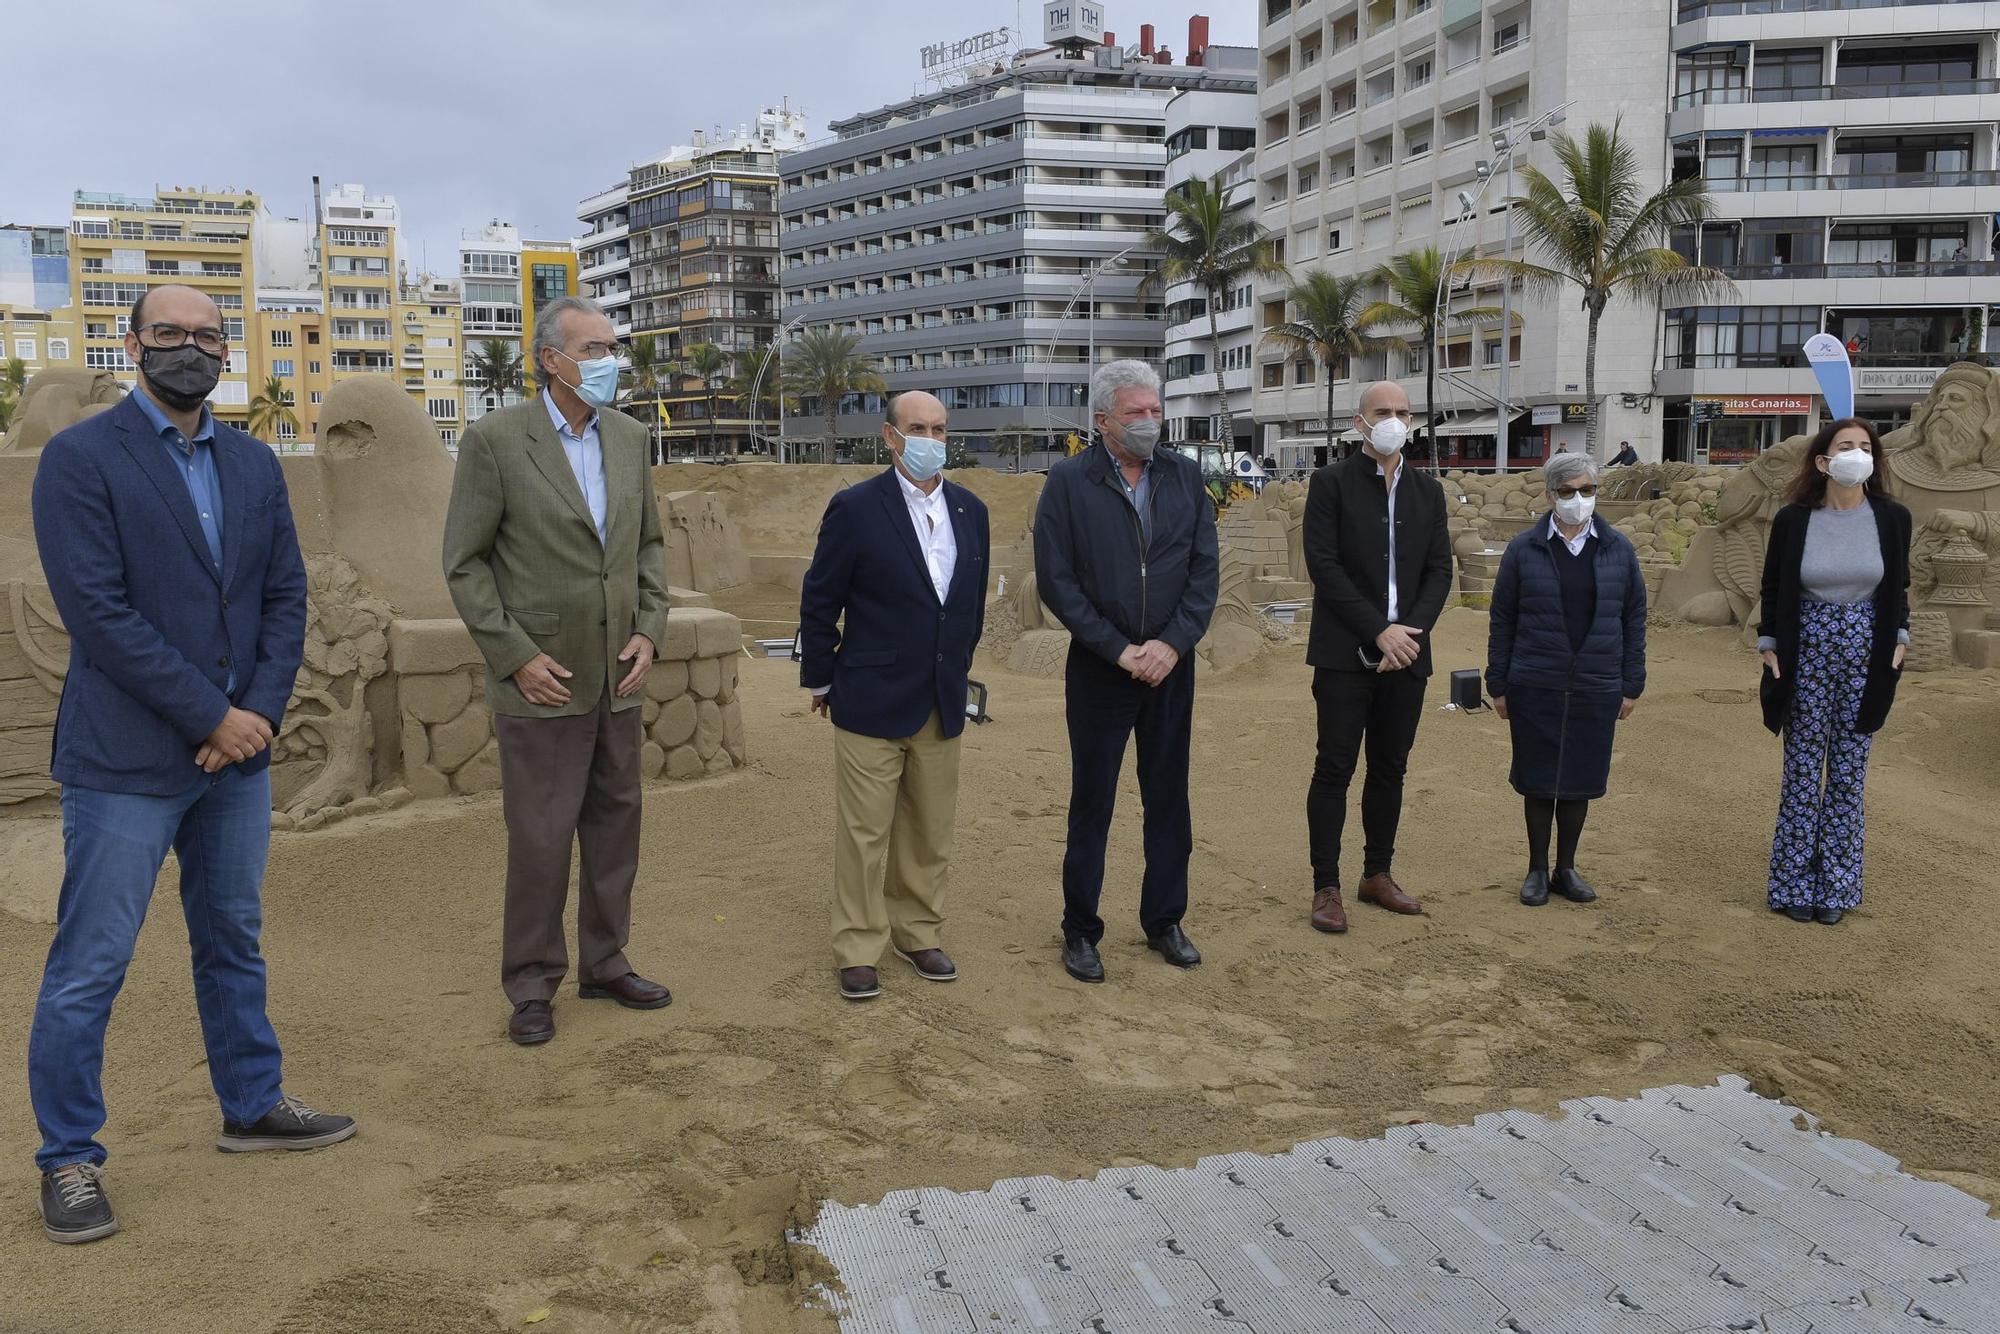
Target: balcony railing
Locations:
point(1691, 10)
point(1865, 359)
point(1859, 180)
point(1838, 92)
point(1922, 268)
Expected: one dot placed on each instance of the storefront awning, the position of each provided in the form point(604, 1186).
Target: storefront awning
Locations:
point(1481, 423)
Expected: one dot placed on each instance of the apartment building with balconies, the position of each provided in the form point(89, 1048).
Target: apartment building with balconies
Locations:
point(604, 254)
point(972, 236)
point(1211, 136)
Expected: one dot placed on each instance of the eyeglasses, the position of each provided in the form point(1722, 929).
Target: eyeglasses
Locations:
point(592, 351)
point(1572, 492)
point(211, 341)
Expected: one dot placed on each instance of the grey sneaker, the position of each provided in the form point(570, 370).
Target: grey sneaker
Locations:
point(74, 1205)
point(289, 1125)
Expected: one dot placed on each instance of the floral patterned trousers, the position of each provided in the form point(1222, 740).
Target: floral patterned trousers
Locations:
point(1816, 856)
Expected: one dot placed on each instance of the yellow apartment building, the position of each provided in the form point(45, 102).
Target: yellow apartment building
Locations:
point(429, 335)
point(548, 270)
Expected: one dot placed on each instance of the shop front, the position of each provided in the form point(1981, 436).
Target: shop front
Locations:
point(1736, 428)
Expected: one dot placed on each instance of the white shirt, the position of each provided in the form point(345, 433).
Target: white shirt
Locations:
point(1394, 482)
point(1575, 544)
point(932, 520)
point(586, 459)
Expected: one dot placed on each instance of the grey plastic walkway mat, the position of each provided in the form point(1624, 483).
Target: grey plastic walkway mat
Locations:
point(1681, 1211)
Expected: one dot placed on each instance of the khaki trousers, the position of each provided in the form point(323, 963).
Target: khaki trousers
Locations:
point(895, 804)
point(565, 782)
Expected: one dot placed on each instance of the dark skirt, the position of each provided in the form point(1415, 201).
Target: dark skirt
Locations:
point(1562, 741)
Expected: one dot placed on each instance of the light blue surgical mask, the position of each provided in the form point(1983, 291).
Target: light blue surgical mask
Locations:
point(597, 380)
point(923, 457)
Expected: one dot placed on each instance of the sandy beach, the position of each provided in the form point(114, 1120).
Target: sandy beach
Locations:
point(639, 1173)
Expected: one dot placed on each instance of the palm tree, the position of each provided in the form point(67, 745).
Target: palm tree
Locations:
point(7, 406)
point(823, 362)
point(13, 378)
point(271, 411)
point(1015, 442)
point(496, 368)
point(1600, 230)
point(758, 373)
point(1416, 281)
point(645, 369)
point(1333, 326)
point(706, 362)
point(1204, 244)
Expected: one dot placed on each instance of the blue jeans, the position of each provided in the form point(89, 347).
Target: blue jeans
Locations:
point(113, 846)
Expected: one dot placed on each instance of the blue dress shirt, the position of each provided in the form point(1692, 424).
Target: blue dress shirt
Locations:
point(586, 459)
point(194, 460)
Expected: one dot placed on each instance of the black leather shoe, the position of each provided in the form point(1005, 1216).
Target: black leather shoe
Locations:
point(1535, 889)
point(1571, 886)
point(1799, 913)
point(1828, 916)
point(74, 1206)
point(1173, 945)
point(1080, 960)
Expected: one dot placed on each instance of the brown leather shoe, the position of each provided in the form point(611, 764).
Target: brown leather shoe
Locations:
point(931, 965)
point(859, 983)
point(1383, 891)
point(1328, 915)
point(631, 991)
point(531, 1022)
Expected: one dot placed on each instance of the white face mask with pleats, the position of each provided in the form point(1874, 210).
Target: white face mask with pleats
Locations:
point(1851, 467)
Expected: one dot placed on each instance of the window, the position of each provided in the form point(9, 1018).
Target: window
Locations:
point(314, 397)
point(1308, 179)
point(312, 368)
point(106, 359)
point(1508, 108)
point(440, 373)
point(1302, 371)
point(24, 348)
point(1235, 141)
point(59, 349)
point(1418, 72)
point(1417, 140)
point(1508, 35)
point(1274, 375)
point(281, 338)
point(550, 281)
point(1786, 75)
point(1332, 239)
point(442, 409)
point(450, 437)
point(284, 367)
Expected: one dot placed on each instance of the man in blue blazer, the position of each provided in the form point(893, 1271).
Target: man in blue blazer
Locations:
point(904, 556)
point(167, 541)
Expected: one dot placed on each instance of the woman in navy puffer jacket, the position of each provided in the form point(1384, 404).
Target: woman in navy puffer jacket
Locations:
point(1565, 662)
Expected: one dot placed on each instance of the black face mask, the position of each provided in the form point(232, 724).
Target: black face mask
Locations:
point(180, 377)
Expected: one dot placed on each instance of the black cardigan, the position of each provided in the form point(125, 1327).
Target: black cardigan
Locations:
point(1781, 598)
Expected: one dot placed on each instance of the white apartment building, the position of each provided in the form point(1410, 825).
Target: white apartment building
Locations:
point(489, 274)
point(1376, 115)
point(1211, 136)
point(1851, 153)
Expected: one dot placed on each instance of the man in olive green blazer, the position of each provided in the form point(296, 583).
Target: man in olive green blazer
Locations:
point(556, 563)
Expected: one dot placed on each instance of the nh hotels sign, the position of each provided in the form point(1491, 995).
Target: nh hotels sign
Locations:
point(1072, 21)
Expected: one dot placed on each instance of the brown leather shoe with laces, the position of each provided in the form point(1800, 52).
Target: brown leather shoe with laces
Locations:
point(532, 1022)
point(1383, 891)
point(1328, 915)
point(631, 991)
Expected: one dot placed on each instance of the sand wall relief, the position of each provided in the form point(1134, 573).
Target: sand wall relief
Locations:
point(388, 706)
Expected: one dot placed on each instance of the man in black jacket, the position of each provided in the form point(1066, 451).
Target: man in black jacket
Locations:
point(1380, 559)
point(1125, 555)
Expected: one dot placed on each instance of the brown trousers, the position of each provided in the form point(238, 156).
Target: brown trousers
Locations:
point(894, 807)
point(568, 781)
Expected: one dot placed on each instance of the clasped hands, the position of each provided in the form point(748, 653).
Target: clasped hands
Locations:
point(240, 735)
point(541, 678)
point(1151, 661)
point(1399, 647)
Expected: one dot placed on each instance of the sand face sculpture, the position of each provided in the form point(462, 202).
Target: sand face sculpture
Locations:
point(386, 477)
point(54, 401)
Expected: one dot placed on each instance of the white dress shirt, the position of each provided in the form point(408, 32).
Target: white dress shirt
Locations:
point(586, 459)
point(932, 520)
point(1394, 482)
point(1575, 544)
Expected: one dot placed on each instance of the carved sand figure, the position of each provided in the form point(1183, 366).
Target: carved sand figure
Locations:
point(387, 479)
point(1237, 633)
point(347, 646)
point(34, 658)
point(54, 401)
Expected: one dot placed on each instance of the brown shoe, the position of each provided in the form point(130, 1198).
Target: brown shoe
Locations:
point(1383, 891)
point(931, 965)
point(859, 983)
point(1327, 914)
point(631, 991)
point(531, 1022)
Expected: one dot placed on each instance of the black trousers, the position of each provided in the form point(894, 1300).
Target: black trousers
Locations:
point(1105, 706)
point(1382, 709)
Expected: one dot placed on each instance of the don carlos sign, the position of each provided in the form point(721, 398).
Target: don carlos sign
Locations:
point(941, 56)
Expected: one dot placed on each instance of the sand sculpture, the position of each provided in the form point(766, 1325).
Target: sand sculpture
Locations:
point(388, 702)
point(55, 400)
point(1944, 464)
point(704, 549)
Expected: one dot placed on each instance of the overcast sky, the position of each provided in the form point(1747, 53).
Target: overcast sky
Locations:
point(464, 110)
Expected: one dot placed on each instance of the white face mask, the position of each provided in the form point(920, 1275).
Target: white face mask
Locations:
point(1574, 510)
point(1388, 436)
point(1851, 467)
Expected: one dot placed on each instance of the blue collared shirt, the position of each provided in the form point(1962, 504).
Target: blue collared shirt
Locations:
point(1138, 495)
point(194, 460)
point(586, 459)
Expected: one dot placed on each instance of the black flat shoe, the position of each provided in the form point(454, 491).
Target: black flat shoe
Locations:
point(1799, 913)
point(1173, 945)
point(1081, 961)
point(1828, 916)
point(1572, 886)
point(1535, 889)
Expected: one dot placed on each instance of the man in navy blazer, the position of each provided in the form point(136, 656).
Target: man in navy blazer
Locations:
point(903, 556)
point(167, 541)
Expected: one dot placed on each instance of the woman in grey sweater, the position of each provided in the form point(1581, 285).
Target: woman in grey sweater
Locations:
point(1835, 627)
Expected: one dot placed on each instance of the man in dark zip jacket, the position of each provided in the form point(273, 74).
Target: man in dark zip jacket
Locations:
point(1125, 555)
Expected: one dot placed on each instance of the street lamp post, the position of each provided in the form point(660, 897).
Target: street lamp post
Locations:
point(757, 385)
point(1090, 324)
